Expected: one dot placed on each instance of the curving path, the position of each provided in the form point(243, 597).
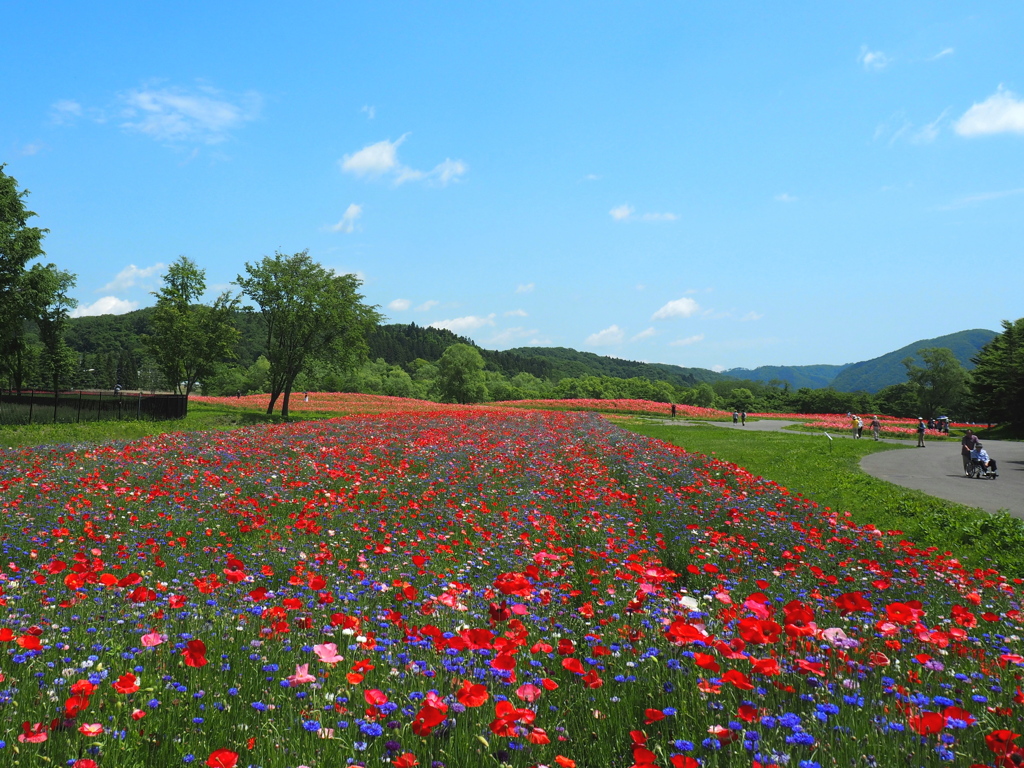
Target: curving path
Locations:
point(935, 469)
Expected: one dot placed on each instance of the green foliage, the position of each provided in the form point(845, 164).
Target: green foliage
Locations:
point(460, 376)
point(19, 245)
point(189, 339)
point(805, 465)
point(812, 376)
point(940, 384)
point(309, 313)
point(872, 375)
point(998, 382)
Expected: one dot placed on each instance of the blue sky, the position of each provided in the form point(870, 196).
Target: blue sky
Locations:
point(738, 185)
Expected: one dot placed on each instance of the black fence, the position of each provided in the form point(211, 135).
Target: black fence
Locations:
point(38, 407)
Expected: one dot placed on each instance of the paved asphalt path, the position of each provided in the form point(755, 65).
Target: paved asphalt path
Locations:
point(935, 469)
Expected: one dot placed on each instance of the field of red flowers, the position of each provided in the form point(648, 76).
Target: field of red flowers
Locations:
point(339, 403)
point(477, 587)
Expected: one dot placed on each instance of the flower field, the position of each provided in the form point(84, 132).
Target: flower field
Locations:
point(340, 403)
point(641, 407)
point(475, 587)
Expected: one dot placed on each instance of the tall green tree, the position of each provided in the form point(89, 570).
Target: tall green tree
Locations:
point(308, 313)
point(460, 375)
point(189, 339)
point(46, 290)
point(941, 383)
point(19, 244)
point(998, 380)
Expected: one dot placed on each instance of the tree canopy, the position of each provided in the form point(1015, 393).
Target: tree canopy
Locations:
point(941, 383)
point(998, 382)
point(188, 338)
point(460, 375)
point(309, 313)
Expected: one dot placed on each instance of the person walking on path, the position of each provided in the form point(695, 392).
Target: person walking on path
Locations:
point(743, 418)
point(876, 427)
point(853, 425)
point(967, 444)
point(920, 432)
point(860, 428)
point(735, 417)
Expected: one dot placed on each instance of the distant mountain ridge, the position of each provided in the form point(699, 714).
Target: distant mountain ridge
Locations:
point(868, 375)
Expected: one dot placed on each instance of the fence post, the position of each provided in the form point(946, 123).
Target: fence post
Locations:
point(138, 413)
point(78, 416)
point(31, 403)
point(99, 407)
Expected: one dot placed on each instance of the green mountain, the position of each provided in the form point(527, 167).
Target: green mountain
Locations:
point(570, 363)
point(797, 376)
point(872, 375)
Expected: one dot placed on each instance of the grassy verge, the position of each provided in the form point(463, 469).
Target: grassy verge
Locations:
point(834, 479)
point(200, 417)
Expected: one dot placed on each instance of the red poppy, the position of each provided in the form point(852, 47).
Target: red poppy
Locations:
point(682, 761)
point(222, 758)
point(195, 653)
point(927, 723)
point(471, 695)
point(126, 683)
point(1001, 741)
point(852, 602)
point(405, 760)
point(738, 679)
point(653, 716)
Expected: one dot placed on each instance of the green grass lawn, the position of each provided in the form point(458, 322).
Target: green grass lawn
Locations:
point(833, 478)
point(201, 416)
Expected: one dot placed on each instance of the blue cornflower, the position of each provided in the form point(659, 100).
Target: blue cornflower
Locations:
point(311, 725)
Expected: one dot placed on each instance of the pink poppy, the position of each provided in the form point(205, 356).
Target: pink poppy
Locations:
point(301, 675)
point(327, 653)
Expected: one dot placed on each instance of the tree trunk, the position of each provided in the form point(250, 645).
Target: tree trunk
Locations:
point(284, 402)
point(273, 399)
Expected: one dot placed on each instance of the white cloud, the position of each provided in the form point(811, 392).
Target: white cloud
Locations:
point(610, 335)
point(687, 341)
point(625, 212)
point(785, 197)
point(427, 305)
point(400, 305)
point(1001, 112)
point(511, 334)
point(644, 334)
point(622, 213)
point(873, 61)
point(940, 54)
point(464, 324)
point(348, 219)
point(516, 313)
point(65, 111)
point(371, 112)
point(751, 316)
point(717, 368)
point(984, 197)
point(929, 132)
point(381, 159)
point(684, 307)
point(591, 177)
point(373, 159)
point(525, 288)
point(202, 115)
point(32, 149)
point(131, 276)
point(108, 305)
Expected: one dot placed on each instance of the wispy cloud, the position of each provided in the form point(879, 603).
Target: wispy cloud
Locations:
point(591, 177)
point(1002, 112)
point(930, 131)
point(369, 111)
point(427, 305)
point(32, 149)
point(984, 197)
point(464, 324)
point(610, 335)
point(751, 316)
point(626, 212)
point(785, 197)
point(525, 288)
point(941, 54)
point(65, 111)
point(131, 276)
point(108, 305)
point(684, 307)
point(643, 335)
point(348, 219)
point(873, 61)
point(516, 313)
point(200, 115)
point(381, 159)
point(399, 305)
point(509, 335)
point(687, 341)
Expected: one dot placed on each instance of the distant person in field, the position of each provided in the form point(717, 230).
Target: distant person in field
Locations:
point(967, 444)
point(673, 410)
point(920, 432)
point(853, 425)
point(735, 417)
point(743, 418)
point(860, 427)
point(307, 398)
point(876, 427)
